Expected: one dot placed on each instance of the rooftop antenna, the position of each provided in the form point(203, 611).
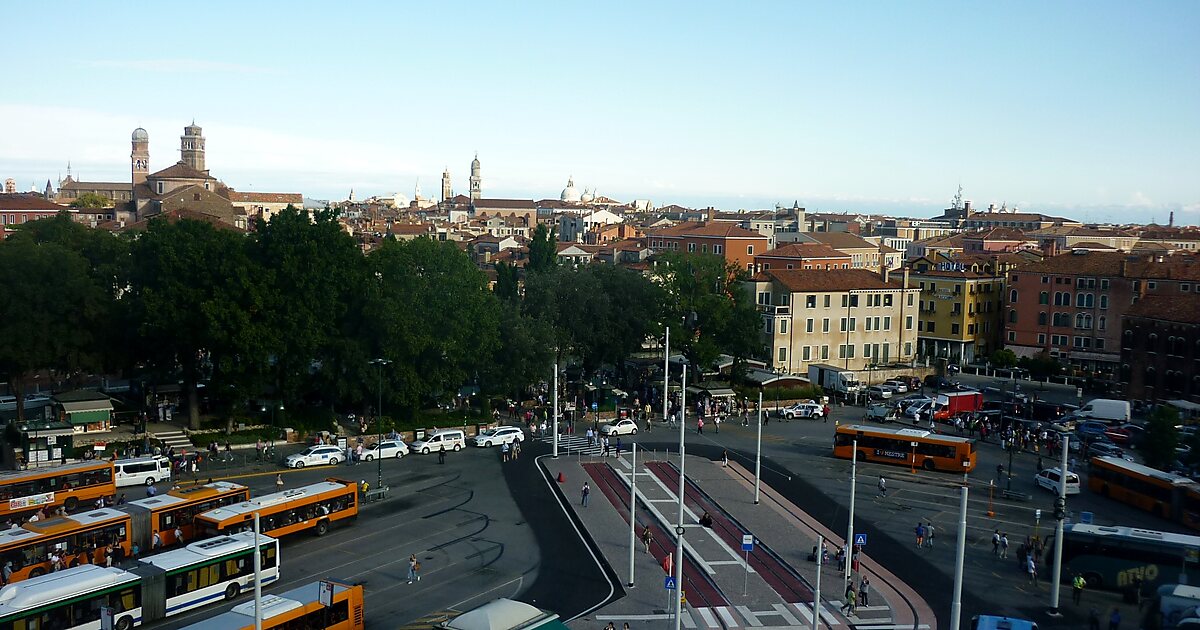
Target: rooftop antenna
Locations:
point(958, 201)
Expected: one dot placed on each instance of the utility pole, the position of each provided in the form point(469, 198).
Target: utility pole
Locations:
point(960, 554)
point(682, 480)
point(379, 424)
point(555, 410)
point(257, 577)
point(817, 590)
point(632, 509)
point(758, 450)
point(850, 523)
point(666, 374)
point(1060, 514)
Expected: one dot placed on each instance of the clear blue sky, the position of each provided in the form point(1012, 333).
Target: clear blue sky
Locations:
point(1090, 109)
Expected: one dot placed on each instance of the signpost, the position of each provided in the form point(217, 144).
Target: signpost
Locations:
point(860, 540)
point(747, 547)
point(669, 585)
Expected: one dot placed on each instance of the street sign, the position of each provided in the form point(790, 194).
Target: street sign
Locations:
point(748, 542)
point(669, 582)
point(1037, 515)
point(595, 406)
point(860, 540)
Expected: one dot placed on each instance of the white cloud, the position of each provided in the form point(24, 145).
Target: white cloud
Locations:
point(174, 66)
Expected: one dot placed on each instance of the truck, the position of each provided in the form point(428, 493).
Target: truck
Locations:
point(952, 404)
point(1105, 409)
point(834, 379)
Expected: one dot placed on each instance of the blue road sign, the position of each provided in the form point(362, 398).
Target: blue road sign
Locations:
point(748, 542)
point(860, 540)
point(669, 583)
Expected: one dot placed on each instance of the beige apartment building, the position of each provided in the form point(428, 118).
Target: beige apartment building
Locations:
point(849, 318)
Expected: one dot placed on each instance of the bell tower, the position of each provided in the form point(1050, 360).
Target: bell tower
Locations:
point(446, 191)
point(139, 158)
point(476, 180)
point(191, 147)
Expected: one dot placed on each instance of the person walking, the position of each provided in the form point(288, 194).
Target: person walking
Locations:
point(279, 482)
point(583, 494)
point(414, 569)
point(604, 450)
point(442, 454)
point(929, 535)
point(178, 536)
point(591, 437)
point(882, 486)
point(996, 543)
point(617, 448)
point(725, 458)
point(851, 604)
point(864, 592)
point(647, 538)
point(1031, 569)
point(700, 426)
point(920, 531)
point(1077, 585)
point(504, 452)
point(1114, 620)
point(1003, 545)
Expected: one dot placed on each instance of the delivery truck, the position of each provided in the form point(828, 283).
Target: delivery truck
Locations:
point(1105, 409)
point(834, 379)
point(951, 404)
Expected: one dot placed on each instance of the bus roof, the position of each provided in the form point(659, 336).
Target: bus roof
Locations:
point(208, 548)
point(37, 473)
point(58, 585)
point(64, 523)
point(207, 490)
point(157, 502)
point(278, 499)
point(1142, 469)
point(1133, 533)
point(14, 535)
point(242, 615)
point(901, 433)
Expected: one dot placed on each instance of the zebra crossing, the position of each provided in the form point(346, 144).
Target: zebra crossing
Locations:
point(572, 444)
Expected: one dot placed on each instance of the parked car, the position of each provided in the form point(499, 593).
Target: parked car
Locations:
point(1120, 435)
point(803, 410)
point(1090, 429)
point(314, 456)
point(1050, 478)
point(619, 427)
point(877, 392)
point(385, 449)
point(881, 413)
point(938, 382)
point(898, 384)
point(499, 435)
point(912, 399)
point(1105, 449)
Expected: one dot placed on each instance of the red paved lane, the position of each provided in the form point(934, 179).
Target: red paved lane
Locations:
point(770, 568)
point(701, 591)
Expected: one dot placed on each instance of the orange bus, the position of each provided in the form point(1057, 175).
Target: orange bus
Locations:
point(314, 507)
point(161, 514)
point(1146, 488)
point(915, 448)
point(77, 539)
point(302, 608)
point(23, 492)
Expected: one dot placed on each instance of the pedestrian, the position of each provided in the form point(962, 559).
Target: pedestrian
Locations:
point(617, 449)
point(516, 449)
point(604, 446)
point(591, 437)
point(864, 591)
point(1114, 620)
point(504, 452)
point(825, 418)
point(279, 482)
point(996, 543)
point(725, 458)
point(178, 535)
point(850, 604)
point(929, 535)
point(717, 424)
point(882, 486)
point(414, 569)
point(1077, 585)
point(156, 542)
point(1003, 545)
point(583, 494)
point(8, 571)
point(920, 531)
point(700, 426)
point(151, 491)
point(647, 538)
point(1031, 569)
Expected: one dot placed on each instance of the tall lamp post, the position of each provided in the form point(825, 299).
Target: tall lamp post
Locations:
point(379, 421)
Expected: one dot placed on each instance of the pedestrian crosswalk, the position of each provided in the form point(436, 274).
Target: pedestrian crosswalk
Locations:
point(777, 616)
point(572, 444)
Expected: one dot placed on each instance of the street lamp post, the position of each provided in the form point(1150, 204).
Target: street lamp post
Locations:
point(850, 523)
point(682, 480)
point(379, 422)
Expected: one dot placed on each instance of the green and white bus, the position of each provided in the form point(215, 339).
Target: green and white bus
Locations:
point(158, 586)
point(1119, 558)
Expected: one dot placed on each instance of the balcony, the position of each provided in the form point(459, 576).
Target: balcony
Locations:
point(771, 309)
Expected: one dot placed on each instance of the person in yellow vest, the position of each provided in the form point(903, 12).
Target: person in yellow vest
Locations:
point(1077, 585)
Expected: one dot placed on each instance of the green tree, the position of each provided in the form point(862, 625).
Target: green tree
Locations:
point(91, 200)
point(543, 250)
point(430, 313)
point(507, 287)
point(195, 298)
point(706, 300)
point(1004, 358)
point(51, 312)
point(1041, 365)
point(524, 353)
point(1161, 437)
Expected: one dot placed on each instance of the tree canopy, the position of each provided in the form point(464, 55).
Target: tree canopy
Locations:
point(543, 250)
point(91, 200)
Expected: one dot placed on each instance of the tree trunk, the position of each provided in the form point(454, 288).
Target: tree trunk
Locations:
point(193, 405)
point(18, 388)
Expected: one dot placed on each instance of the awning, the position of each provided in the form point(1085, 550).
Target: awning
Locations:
point(87, 405)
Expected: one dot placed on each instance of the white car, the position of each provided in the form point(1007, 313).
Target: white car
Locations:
point(385, 449)
point(619, 427)
point(898, 385)
point(1049, 479)
point(878, 391)
point(499, 435)
point(314, 456)
point(803, 410)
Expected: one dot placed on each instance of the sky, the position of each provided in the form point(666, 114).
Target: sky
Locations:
point(1082, 109)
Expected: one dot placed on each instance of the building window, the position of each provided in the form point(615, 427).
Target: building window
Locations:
point(1100, 322)
point(783, 326)
point(846, 351)
point(1041, 339)
point(808, 325)
point(867, 350)
point(1012, 336)
point(1103, 301)
point(868, 320)
point(824, 353)
point(160, 188)
point(1104, 284)
point(907, 348)
point(810, 301)
point(807, 353)
point(826, 300)
point(1152, 285)
point(1012, 295)
point(704, 248)
point(1012, 316)
point(1041, 319)
point(691, 247)
point(1185, 287)
point(749, 250)
point(720, 249)
point(908, 322)
point(1044, 297)
point(887, 323)
point(782, 354)
point(954, 329)
point(1014, 277)
point(1099, 343)
point(910, 299)
point(929, 326)
point(1045, 279)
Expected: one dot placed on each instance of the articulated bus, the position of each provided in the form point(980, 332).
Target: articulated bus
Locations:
point(915, 448)
point(314, 507)
point(25, 491)
point(76, 539)
point(1117, 558)
point(161, 514)
point(297, 609)
point(159, 586)
point(1165, 494)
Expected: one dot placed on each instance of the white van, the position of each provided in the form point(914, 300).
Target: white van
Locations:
point(1106, 409)
point(441, 439)
point(142, 471)
point(1049, 479)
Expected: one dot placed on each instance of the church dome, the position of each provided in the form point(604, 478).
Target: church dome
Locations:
point(140, 135)
point(570, 194)
point(588, 196)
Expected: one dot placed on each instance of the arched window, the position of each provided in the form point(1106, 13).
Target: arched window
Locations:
point(1012, 316)
point(1012, 297)
point(1101, 320)
point(1042, 318)
point(1044, 297)
point(1079, 320)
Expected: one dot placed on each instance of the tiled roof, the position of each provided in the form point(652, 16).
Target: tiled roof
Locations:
point(184, 213)
point(516, 204)
point(706, 229)
point(179, 170)
point(826, 280)
point(264, 197)
point(27, 201)
point(74, 185)
point(997, 234)
point(1183, 309)
point(1089, 263)
point(804, 251)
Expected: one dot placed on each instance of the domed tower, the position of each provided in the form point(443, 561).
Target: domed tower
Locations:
point(191, 146)
point(139, 158)
point(476, 180)
point(570, 194)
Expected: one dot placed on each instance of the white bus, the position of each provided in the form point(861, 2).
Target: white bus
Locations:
point(159, 586)
point(141, 471)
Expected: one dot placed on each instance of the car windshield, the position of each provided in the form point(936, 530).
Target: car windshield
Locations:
point(488, 432)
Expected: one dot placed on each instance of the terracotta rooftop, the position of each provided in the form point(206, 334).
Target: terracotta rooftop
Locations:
point(74, 185)
point(1090, 263)
point(997, 234)
point(516, 204)
point(264, 197)
point(842, 240)
point(179, 170)
point(27, 201)
point(1183, 309)
point(804, 251)
point(710, 229)
point(826, 280)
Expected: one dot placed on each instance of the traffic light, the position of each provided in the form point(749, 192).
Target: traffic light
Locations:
point(1060, 508)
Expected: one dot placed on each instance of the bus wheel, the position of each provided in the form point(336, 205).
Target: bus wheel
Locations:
point(232, 591)
point(927, 464)
point(124, 623)
point(1093, 580)
point(37, 572)
point(322, 527)
point(71, 503)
